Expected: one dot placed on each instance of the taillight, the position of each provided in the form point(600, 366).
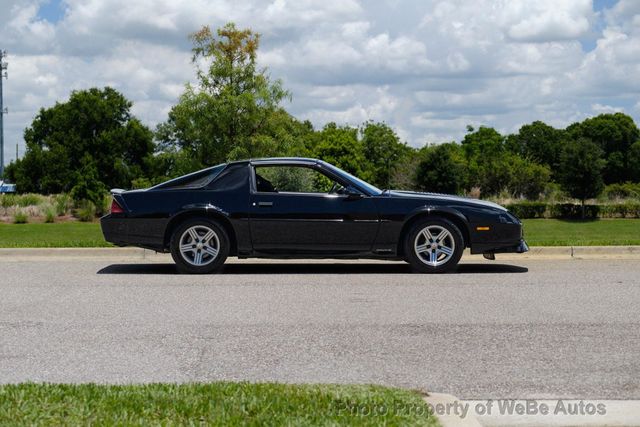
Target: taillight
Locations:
point(115, 207)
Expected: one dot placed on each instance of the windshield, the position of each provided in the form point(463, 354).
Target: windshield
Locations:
point(372, 189)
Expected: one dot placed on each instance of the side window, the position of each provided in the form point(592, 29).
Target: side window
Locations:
point(293, 179)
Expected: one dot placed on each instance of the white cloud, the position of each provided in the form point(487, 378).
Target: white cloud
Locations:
point(547, 20)
point(426, 67)
point(606, 109)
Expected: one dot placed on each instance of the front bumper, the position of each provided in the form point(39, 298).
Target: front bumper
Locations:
point(518, 247)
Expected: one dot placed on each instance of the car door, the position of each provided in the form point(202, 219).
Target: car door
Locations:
point(293, 210)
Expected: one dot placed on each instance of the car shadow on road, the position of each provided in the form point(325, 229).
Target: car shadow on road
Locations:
point(298, 268)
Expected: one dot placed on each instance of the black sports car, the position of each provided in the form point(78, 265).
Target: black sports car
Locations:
point(303, 208)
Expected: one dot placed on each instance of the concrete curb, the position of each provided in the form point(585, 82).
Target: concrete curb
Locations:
point(573, 252)
point(617, 413)
point(120, 253)
point(536, 252)
point(448, 409)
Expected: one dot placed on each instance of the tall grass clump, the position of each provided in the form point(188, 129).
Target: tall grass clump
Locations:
point(20, 217)
point(62, 203)
point(49, 214)
point(30, 199)
point(7, 201)
point(86, 211)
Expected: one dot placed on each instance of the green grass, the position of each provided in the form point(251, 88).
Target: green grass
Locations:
point(57, 235)
point(603, 232)
point(538, 232)
point(210, 404)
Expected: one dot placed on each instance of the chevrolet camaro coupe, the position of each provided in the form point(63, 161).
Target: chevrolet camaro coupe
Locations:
point(304, 208)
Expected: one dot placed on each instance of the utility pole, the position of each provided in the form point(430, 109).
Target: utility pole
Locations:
point(3, 111)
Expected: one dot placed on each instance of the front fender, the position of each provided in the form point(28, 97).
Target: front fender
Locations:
point(437, 210)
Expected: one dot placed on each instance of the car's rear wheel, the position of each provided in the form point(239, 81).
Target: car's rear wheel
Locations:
point(199, 246)
point(433, 245)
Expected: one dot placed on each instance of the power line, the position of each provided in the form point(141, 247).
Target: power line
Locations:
point(3, 74)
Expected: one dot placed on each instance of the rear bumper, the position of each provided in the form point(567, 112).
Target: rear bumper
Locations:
point(518, 247)
point(142, 232)
point(114, 230)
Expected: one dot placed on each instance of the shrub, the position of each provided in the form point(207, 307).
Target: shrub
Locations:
point(86, 211)
point(88, 185)
point(628, 209)
point(622, 191)
point(633, 209)
point(573, 211)
point(8, 200)
point(29, 199)
point(105, 204)
point(528, 209)
point(553, 193)
point(62, 204)
point(20, 217)
point(49, 214)
point(528, 179)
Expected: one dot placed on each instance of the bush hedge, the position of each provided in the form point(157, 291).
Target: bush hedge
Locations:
point(526, 209)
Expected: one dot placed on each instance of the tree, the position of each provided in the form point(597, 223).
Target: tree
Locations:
point(229, 114)
point(634, 161)
point(382, 150)
point(581, 166)
point(539, 142)
point(614, 134)
point(486, 141)
point(440, 169)
point(527, 178)
point(88, 186)
point(484, 150)
point(93, 122)
point(403, 176)
point(339, 145)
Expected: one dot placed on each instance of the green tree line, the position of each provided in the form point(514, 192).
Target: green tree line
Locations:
point(92, 142)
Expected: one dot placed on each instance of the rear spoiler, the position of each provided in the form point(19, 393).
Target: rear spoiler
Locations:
point(117, 191)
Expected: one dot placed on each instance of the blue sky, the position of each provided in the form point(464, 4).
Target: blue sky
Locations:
point(51, 10)
point(426, 67)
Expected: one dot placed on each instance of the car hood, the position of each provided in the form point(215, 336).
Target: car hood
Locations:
point(444, 197)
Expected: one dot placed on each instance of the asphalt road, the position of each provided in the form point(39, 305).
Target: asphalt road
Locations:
point(518, 329)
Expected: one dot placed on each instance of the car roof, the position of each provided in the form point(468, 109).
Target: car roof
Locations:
point(278, 160)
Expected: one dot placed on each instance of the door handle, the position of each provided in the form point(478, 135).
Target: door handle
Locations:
point(265, 204)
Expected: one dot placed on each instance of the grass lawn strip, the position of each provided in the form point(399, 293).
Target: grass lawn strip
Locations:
point(221, 403)
point(538, 232)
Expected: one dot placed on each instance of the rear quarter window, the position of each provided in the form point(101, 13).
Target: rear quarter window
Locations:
point(233, 177)
point(194, 180)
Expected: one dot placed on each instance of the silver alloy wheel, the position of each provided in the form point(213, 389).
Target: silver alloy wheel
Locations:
point(434, 245)
point(199, 245)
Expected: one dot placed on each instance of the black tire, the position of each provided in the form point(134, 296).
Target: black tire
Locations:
point(420, 261)
point(187, 262)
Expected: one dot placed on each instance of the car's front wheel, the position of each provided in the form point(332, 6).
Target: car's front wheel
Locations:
point(433, 245)
point(199, 246)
